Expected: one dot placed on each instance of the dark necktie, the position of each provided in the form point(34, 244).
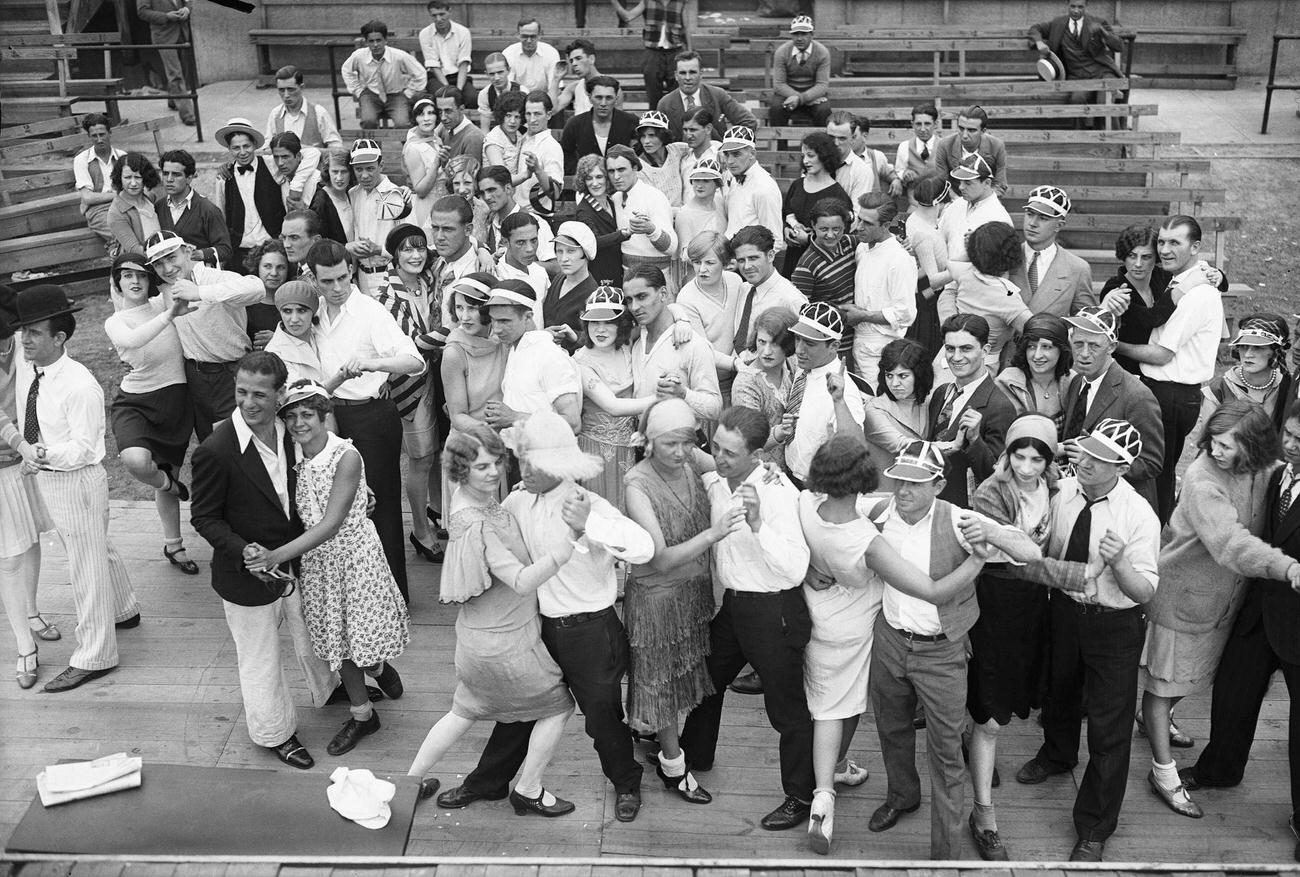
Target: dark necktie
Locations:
point(244, 168)
point(492, 238)
point(1074, 427)
point(32, 427)
point(925, 152)
point(739, 178)
point(1077, 548)
point(1284, 497)
point(944, 420)
point(741, 340)
point(1033, 274)
point(795, 400)
point(690, 102)
point(1075, 30)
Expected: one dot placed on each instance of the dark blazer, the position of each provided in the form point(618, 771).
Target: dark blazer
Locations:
point(331, 226)
point(161, 28)
point(980, 455)
point(947, 155)
point(1272, 603)
point(1123, 396)
point(1099, 41)
point(727, 111)
point(235, 504)
point(1063, 289)
point(579, 137)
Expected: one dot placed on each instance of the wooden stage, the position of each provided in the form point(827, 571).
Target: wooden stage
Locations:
point(175, 699)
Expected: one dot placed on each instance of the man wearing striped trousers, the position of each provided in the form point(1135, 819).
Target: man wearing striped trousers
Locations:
point(61, 415)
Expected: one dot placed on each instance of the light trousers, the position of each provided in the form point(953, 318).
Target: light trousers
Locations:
point(268, 702)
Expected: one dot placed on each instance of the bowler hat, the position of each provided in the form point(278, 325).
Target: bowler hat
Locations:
point(44, 302)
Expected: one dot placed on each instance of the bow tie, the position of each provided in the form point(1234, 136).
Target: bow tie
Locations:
point(244, 168)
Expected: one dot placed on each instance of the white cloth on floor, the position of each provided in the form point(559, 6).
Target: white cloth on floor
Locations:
point(361, 796)
point(60, 783)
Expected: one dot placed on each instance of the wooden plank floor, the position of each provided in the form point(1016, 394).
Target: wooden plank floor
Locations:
point(175, 698)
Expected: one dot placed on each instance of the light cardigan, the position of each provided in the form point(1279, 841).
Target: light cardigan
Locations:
point(1214, 549)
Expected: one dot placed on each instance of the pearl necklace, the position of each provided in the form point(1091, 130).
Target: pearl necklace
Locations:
point(1272, 379)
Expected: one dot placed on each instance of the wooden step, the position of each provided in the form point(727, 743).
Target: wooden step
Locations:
point(35, 252)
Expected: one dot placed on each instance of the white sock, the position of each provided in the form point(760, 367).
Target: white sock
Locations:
point(673, 767)
point(362, 713)
point(1166, 775)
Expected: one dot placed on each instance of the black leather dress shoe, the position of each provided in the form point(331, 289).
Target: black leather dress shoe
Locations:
point(294, 754)
point(1087, 850)
point(74, 677)
point(347, 739)
point(463, 796)
point(127, 624)
point(1193, 781)
point(428, 788)
point(627, 805)
point(987, 843)
point(340, 695)
point(886, 817)
point(389, 682)
point(1034, 772)
point(523, 806)
point(791, 814)
point(750, 683)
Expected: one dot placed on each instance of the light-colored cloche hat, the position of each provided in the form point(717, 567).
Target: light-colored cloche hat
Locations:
point(547, 442)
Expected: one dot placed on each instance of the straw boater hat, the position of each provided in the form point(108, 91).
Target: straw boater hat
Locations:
point(1049, 67)
point(1098, 321)
point(548, 443)
point(918, 462)
point(1050, 201)
point(819, 321)
point(1112, 441)
point(38, 303)
point(972, 167)
point(239, 126)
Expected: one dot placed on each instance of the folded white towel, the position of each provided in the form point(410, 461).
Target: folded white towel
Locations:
point(81, 775)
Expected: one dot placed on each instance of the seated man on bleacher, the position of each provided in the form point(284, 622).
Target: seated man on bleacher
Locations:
point(384, 80)
point(499, 82)
point(972, 138)
point(446, 48)
point(1085, 44)
point(296, 115)
point(693, 93)
point(801, 78)
point(603, 126)
point(580, 56)
point(92, 171)
point(534, 64)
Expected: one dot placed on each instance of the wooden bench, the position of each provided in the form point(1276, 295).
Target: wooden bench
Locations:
point(1181, 67)
point(64, 142)
point(1019, 116)
point(53, 249)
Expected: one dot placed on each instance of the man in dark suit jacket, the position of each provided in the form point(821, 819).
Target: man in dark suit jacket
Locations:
point(692, 93)
point(169, 23)
point(968, 418)
point(1085, 44)
point(580, 133)
point(1263, 639)
point(243, 492)
point(1111, 392)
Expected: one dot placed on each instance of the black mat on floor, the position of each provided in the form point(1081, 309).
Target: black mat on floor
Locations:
point(183, 810)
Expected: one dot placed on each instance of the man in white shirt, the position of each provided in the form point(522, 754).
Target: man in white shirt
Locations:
point(541, 155)
point(359, 337)
point(215, 336)
point(534, 64)
point(61, 418)
point(455, 251)
point(661, 367)
point(643, 213)
point(755, 250)
point(378, 204)
point(1103, 548)
point(520, 231)
point(884, 297)
point(919, 648)
point(298, 179)
point(751, 196)
point(383, 80)
point(296, 115)
point(763, 619)
point(979, 204)
point(580, 535)
point(915, 156)
point(446, 47)
point(822, 401)
point(539, 375)
point(92, 176)
point(1181, 354)
point(860, 173)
